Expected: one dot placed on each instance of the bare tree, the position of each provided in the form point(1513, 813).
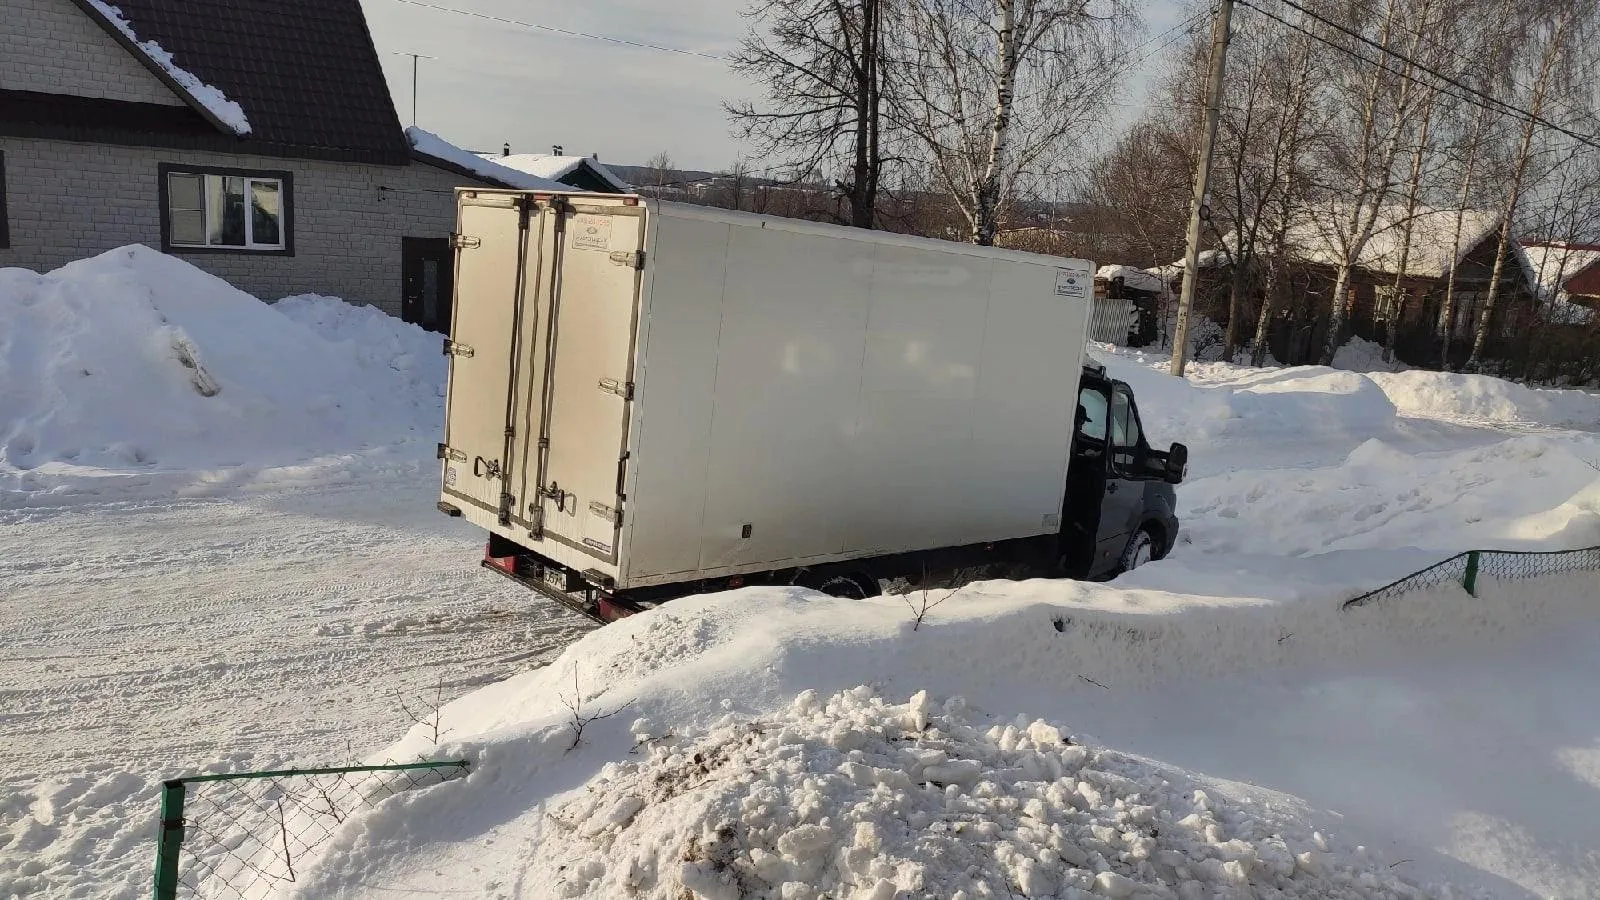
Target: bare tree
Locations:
point(1363, 158)
point(1554, 35)
point(1288, 149)
point(996, 91)
point(822, 65)
point(660, 167)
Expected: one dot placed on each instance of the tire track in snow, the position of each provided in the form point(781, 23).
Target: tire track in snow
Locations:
point(149, 638)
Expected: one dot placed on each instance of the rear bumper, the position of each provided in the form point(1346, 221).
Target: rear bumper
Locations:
point(594, 603)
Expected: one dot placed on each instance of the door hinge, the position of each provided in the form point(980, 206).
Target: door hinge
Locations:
point(456, 348)
point(464, 242)
point(623, 389)
point(445, 452)
point(606, 512)
point(507, 503)
point(633, 259)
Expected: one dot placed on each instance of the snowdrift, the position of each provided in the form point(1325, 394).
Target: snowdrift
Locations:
point(782, 743)
point(135, 361)
point(1481, 398)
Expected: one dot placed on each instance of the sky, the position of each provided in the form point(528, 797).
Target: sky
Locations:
point(492, 82)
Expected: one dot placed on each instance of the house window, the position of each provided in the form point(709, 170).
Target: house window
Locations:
point(225, 211)
point(1386, 302)
point(5, 226)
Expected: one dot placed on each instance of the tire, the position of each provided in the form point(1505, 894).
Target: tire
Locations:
point(1142, 548)
point(846, 586)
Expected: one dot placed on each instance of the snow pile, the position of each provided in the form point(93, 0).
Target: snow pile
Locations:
point(431, 145)
point(137, 361)
point(853, 796)
point(1485, 399)
point(230, 113)
point(1361, 355)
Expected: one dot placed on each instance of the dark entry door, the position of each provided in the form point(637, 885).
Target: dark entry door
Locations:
point(425, 282)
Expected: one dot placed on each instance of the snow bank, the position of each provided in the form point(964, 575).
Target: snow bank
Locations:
point(1304, 400)
point(429, 144)
point(737, 771)
point(136, 361)
point(230, 113)
point(1481, 398)
point(1381, 498)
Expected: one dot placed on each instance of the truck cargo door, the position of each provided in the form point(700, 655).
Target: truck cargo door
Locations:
point(482, 348)
point(589, 388)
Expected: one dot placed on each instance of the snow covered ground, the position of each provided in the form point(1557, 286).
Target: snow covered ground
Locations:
point(219, 552)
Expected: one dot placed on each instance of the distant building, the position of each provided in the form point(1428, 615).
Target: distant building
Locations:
point(584, 173)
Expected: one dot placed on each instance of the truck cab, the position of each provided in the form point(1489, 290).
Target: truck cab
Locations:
point(1120, 503)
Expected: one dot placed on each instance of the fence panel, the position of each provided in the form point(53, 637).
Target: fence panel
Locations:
point(240, 836)
point(1467, 568)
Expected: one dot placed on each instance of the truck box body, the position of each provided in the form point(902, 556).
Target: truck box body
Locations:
point(651, 393)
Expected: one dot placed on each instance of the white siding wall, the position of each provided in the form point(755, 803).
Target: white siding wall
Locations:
point(70, 200)
point(53, 47)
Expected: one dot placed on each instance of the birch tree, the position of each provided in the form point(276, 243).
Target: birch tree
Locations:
point(1365, 158)
point(996, 92)
point(1554, 40)
point(822, 65)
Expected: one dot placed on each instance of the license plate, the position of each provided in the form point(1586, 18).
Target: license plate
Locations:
point(555, 578)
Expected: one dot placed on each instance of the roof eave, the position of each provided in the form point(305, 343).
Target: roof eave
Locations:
point(117, 34)
point(455, 169)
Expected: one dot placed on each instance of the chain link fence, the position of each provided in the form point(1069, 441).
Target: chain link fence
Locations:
point(1467, 568)
point(245, 835)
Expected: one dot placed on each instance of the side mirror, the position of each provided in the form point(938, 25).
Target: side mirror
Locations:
point(1177, 463)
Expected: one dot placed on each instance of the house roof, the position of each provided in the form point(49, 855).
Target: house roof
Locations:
point(561, 168)
point(439, 152)
point(1315, 237)
point(1564, 268)
point(289, 75)
point(1137, 279)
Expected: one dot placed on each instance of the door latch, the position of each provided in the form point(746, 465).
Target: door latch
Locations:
point(623, 389)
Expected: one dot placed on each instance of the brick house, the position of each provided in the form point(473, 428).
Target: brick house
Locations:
point(256, 140)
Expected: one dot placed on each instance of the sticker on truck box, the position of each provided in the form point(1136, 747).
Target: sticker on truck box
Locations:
point(1070, 283)
point(591, 232)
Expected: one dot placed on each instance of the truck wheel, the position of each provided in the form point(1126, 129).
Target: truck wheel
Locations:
point(1140, 550)
point(849, 587)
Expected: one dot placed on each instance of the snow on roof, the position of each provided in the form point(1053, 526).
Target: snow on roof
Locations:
point(1554, 263)
point(1317, 237)
point(546, 165)
point(1137, 279)
point(431, 145)
point(213, 99)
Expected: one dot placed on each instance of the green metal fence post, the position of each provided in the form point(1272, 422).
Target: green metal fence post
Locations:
point(170, 841)
point(1470, 580)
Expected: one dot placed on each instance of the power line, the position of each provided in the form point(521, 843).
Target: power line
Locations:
point(439, 7)
point(1476, 61)
point(1483, 101)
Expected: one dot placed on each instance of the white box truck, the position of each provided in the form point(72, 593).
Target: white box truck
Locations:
point(651, 399)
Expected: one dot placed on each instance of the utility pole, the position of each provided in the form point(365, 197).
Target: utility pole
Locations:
point(414, 58)
point(1199, 211)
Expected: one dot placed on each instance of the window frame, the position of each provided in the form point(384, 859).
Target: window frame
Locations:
point(285, 181)
point(1125, 456)
point(5, 217)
